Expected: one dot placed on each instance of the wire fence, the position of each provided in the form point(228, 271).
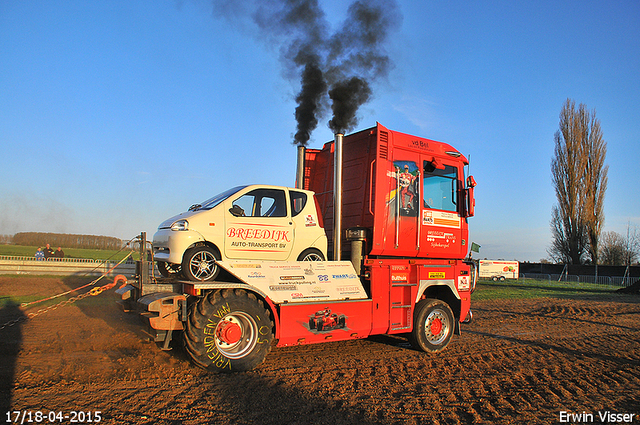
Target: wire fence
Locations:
point(10, 264)
point(597, 280)
point(54, 259)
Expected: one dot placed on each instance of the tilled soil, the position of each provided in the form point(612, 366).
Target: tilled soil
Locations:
point(520, 361)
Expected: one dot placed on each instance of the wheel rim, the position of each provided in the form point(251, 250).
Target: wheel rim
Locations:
point(312, 256)
point(437, 327)
point(203, 265)
point(236, 335)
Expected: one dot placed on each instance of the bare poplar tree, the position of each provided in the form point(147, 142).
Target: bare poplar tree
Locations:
point(580, 180)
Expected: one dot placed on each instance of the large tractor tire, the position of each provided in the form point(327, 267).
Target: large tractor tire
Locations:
point(228, 330)
point(433, 326)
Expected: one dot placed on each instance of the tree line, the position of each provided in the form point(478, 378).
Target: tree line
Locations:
point(66, 240)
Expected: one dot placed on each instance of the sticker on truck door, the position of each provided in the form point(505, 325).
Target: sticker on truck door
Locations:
point(405, 192)
point(440, 218)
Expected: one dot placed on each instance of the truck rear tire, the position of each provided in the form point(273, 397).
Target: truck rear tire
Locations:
point(228, 330)
point(433, 325)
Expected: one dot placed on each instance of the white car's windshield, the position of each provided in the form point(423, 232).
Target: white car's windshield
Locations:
point(212, 202)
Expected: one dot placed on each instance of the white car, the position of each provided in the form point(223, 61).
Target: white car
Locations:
point(254, 222)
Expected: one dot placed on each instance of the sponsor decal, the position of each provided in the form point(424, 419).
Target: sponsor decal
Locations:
point(309, 221)
point(420, 144)
point(394, 268)
point(464, 283)
point(440, 218)
point(256, 275)
point(242, 244)
point(291, 277)
point(246, 266)
point(285, 267)
point(346, 290)
point(257, 233)
point(399, 277)
point(326, 320)
point(436, 275)
point(427, 218)
point(440, 239)
point(344, 276)
point(298, 282)
point(283, 287)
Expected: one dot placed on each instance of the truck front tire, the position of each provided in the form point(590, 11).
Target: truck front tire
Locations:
point(433, 325)
point(228, 330)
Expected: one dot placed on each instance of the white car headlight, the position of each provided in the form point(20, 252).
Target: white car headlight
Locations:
point(180, 225)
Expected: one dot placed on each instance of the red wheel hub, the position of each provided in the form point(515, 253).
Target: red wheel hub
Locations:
point(229, 332)
point(436, 327)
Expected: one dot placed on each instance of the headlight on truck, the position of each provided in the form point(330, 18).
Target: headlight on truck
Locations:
point(180, 225)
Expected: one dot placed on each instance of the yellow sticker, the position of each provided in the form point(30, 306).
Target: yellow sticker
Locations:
point(436, 275)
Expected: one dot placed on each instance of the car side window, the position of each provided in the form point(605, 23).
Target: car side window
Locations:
point(261, 203)
point(298, 202)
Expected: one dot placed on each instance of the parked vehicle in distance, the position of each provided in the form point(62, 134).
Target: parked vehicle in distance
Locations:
point(256, 222)
point(498, 270)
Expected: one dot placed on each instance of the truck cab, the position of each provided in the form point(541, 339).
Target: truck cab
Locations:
point(258, 222)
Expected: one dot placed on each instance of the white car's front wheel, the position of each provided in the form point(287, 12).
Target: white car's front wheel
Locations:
point(200, 263)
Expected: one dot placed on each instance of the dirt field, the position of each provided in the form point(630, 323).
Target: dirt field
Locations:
point(519, 362)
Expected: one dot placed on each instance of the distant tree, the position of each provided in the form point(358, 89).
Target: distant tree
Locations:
point(619, 250)
point(612, 249)
point(580, 180)
point(67, 240)
point(631, 245)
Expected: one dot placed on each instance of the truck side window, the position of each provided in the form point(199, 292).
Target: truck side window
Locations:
point(263, 203)
point(440, 187)
point(298, 202)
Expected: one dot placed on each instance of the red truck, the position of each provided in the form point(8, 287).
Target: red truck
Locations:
point(396, 206)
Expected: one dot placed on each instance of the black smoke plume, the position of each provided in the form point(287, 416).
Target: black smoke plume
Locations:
point(334, 68)
point(313, 88)
point(346, 97)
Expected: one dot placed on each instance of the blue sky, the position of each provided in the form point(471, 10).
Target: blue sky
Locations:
point(115, 115)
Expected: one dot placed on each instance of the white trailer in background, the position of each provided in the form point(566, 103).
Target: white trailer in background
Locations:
point(498, 270)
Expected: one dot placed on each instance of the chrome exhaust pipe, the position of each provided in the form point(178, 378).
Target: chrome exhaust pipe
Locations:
point(300, 168)
point(337, 197)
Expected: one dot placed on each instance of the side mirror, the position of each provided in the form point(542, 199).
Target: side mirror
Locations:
point(471, 182)
point(470, 201)
point(236, 211)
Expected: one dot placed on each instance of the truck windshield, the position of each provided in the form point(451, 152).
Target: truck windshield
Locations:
point(440, 187)
point(213, 202)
